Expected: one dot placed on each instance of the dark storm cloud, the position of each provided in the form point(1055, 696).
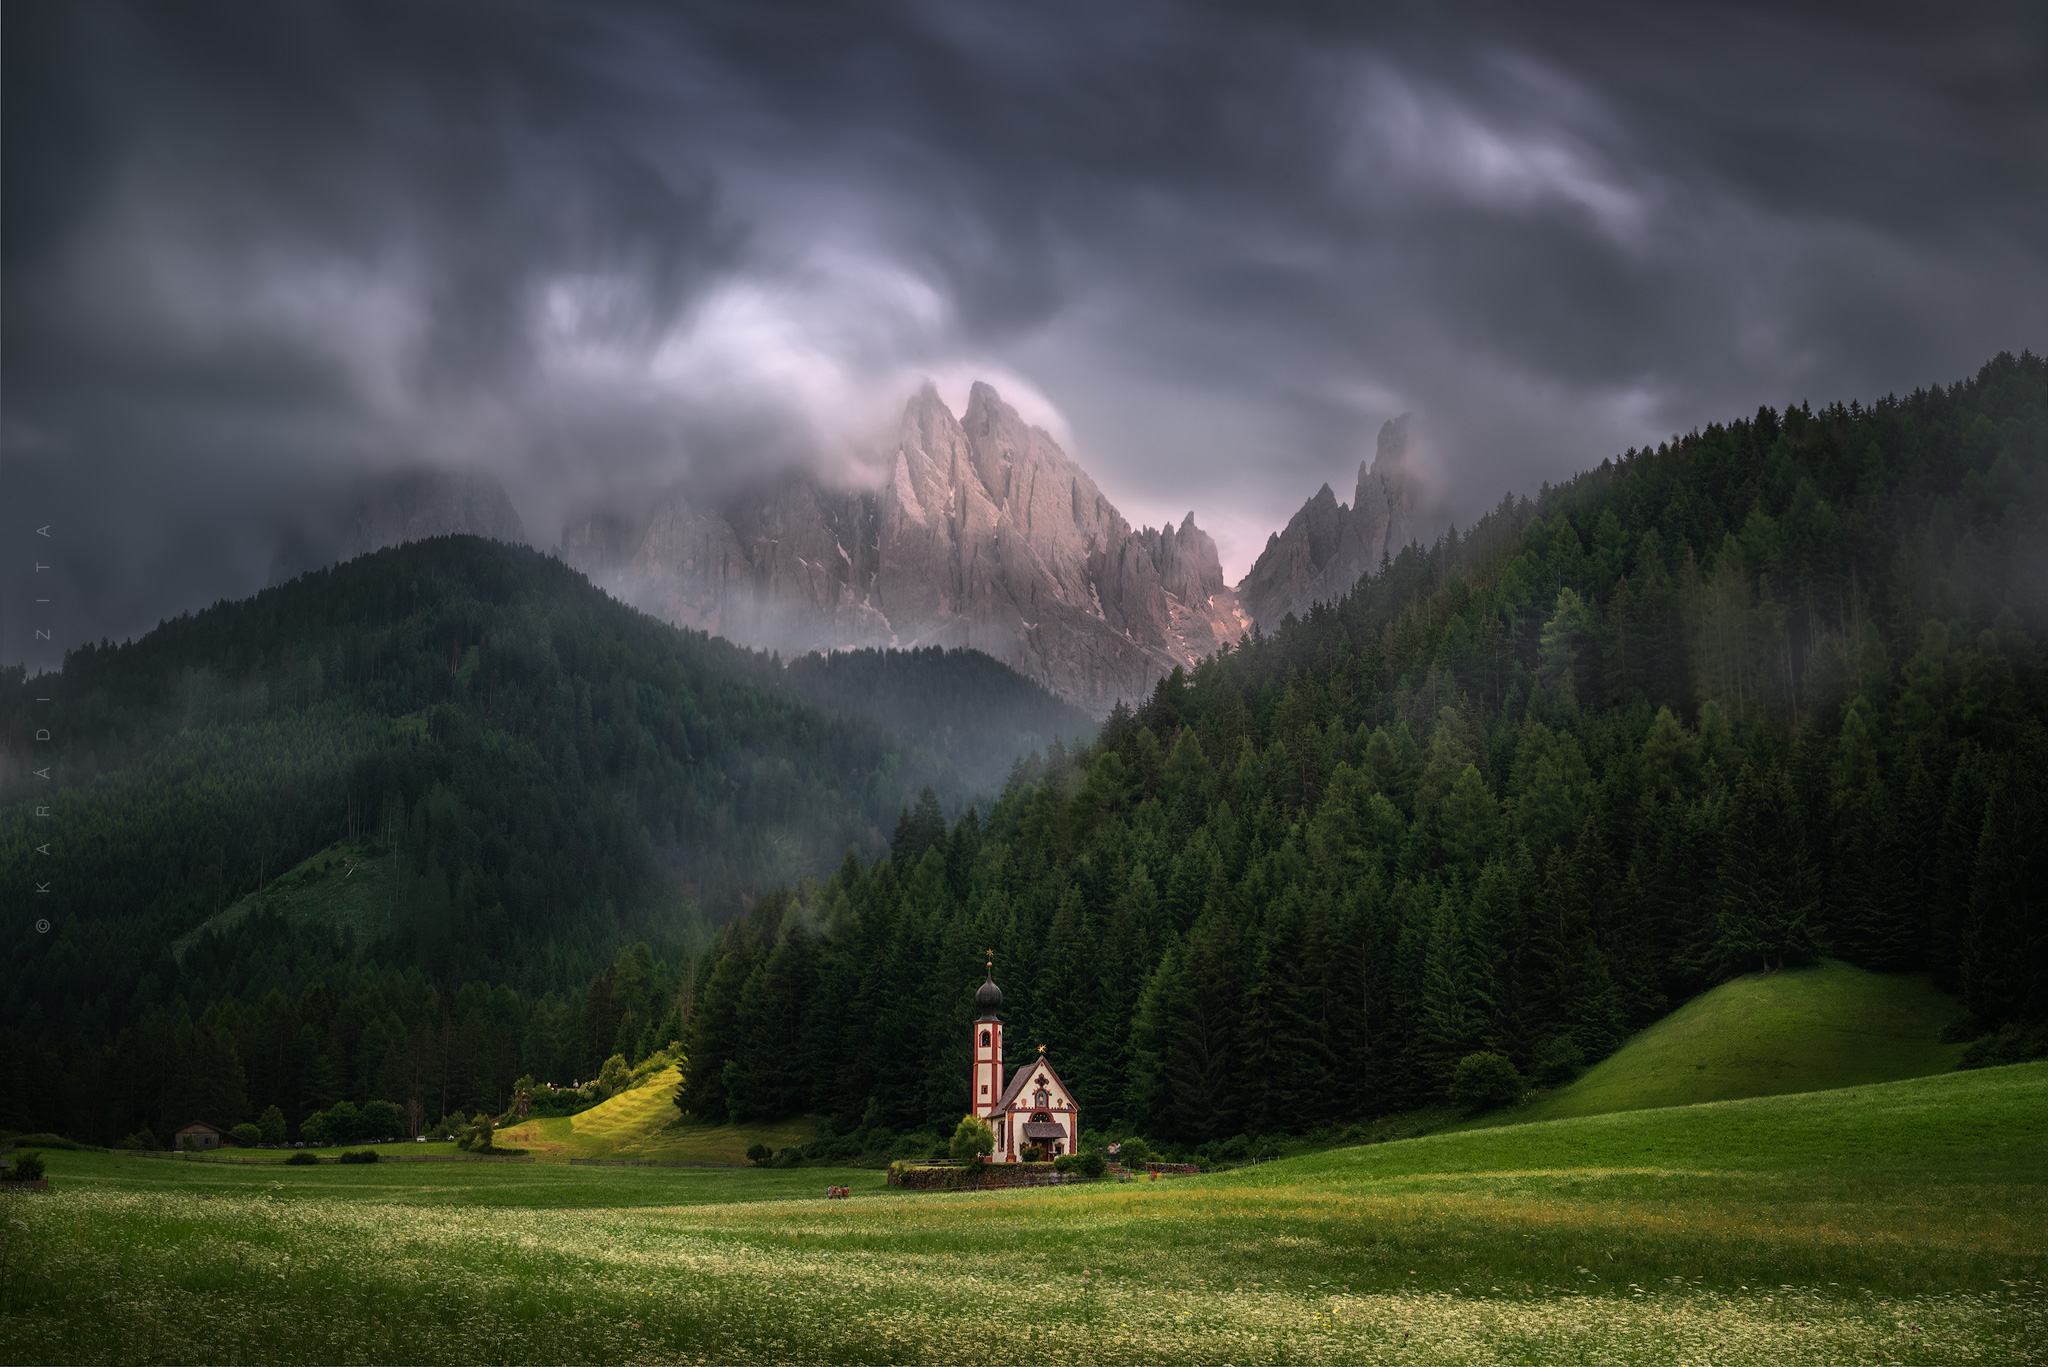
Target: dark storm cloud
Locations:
point(250, 251)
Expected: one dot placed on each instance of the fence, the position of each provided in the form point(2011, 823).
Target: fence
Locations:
point(954, 1177)
point(186, 1156)
point(647, 1163)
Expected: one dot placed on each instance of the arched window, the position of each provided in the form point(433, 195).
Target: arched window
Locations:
point(984, 1039)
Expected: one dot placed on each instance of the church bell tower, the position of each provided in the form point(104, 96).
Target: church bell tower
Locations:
point(986, 1086)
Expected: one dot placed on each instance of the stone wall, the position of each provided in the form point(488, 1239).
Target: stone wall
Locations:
point(920, 1177)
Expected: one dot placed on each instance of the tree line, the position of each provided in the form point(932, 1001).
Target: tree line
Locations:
point(360, 1039)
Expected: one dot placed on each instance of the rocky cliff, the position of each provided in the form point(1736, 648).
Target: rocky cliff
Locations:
point(982, 533)
point(1328, 545)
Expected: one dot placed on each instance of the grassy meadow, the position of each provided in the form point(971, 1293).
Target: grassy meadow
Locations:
point(1797, 1030)
point(1903, 1221)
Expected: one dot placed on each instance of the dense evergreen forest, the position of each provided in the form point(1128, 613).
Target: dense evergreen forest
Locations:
point(1766, 692)
point(536, 774)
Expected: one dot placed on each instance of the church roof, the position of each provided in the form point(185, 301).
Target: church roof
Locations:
point(1041, 1129)
point(1023, 1076)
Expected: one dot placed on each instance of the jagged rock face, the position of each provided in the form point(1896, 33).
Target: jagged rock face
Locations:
point(983, 534)
point(1328, 545)
point(773, 568)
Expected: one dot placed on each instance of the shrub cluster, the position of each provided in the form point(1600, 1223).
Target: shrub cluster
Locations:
point(302, 1159)
point(346, 1123)
point(360, 1156)
point(26, 1167)
point(1090, 1164)
point(972, 1140)
point(2016, 1043)
point(478, 1136)
point(1483, 1081)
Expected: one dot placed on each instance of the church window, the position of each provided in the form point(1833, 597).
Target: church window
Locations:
point(984, 1089)
point(984, 1038)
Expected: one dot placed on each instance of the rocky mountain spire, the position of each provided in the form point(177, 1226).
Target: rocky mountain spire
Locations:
point(984, 534)
point(1327, 546)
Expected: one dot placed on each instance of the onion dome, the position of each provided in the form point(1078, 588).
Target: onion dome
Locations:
point(988, 996)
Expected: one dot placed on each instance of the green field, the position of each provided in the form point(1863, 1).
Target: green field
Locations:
point(1800, 1030)
point(1901, 1221)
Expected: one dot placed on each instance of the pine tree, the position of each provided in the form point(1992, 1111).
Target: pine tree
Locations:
point(1451, 1024)
point(715, 1040)
point(1198, 1046)
point(1286, 1070)
point(771, 1080)
point(2002, 962)
point(1768, 891)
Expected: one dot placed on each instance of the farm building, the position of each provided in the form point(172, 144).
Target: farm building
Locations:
point(198, 1135)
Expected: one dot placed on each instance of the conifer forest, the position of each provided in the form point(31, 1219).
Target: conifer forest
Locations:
point(1767, 692)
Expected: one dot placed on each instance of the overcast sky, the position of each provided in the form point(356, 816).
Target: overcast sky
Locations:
point(250, 250)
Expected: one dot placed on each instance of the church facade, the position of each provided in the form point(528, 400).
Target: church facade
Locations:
point(1034, 1106)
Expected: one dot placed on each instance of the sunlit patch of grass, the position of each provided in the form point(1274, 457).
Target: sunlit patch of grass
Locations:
point(643, 1123)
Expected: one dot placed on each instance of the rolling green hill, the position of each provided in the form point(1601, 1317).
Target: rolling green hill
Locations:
point(1800, 1030)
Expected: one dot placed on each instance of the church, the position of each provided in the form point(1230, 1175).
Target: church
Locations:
point(1035, 1107)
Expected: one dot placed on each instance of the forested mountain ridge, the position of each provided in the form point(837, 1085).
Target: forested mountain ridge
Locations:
point(1769, 691)
point(970, 709)
point(1765, 692)
point(552, 774)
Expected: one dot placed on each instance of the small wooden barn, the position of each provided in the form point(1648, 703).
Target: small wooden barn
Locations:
point(198, 1135)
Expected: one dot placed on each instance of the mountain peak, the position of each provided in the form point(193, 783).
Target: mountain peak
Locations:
point(1327, 546)
point(1392, 446)
point(984, 534)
